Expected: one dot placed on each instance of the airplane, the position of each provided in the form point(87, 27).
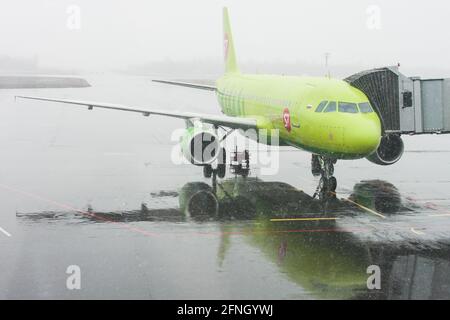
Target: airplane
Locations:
point(325, 116)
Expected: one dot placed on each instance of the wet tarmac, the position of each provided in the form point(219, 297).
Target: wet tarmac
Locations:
point(98, 190)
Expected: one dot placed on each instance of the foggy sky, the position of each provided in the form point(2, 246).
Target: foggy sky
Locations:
point(115, 34)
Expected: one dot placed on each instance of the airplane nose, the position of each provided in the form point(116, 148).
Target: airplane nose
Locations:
point(364, 137)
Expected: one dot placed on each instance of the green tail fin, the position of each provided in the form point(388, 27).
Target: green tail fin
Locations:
point(228, 45)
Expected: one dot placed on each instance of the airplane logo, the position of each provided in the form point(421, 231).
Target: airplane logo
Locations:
point(287, 119)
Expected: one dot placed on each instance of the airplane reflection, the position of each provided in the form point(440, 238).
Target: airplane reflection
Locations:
point(242, 198)
point(328, 258)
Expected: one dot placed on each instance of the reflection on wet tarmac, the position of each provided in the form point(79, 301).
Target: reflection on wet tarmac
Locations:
point(323, 246)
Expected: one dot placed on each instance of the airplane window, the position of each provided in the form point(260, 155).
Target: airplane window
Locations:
point(331, 107)
point(321, 106)
point(348, 107)
point(365, 107)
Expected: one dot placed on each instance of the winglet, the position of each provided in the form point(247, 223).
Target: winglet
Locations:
point(228, 45)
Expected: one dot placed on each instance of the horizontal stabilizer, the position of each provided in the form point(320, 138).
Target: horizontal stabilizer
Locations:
point(188, 84)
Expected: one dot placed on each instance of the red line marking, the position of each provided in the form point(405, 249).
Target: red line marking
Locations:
point(151, 234)
point(85, 213)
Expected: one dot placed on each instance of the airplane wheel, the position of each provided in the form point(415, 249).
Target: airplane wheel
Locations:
point(322, 184)
point(222, 166)
point(221, 170)
point(315, 166)
point(332, 184)
point(323, 194)
point(207, 171)
point(222, 156)
point(329, 168)
point(327, 186)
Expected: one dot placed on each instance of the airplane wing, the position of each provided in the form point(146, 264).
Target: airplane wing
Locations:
point(188, 84)
point(219, 120)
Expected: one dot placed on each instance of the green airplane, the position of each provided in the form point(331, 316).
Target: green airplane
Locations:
point(327, 117)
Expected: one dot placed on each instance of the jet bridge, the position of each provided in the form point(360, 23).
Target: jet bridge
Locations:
point(406, 105)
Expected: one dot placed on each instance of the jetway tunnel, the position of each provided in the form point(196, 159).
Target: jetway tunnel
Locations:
point(406, 105)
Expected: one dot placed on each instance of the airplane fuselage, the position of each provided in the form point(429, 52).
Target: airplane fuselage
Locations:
point(349, 130)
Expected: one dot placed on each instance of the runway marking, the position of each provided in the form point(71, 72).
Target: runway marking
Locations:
point(355, 203)
point(302, 219)
point(439, 215)
point(85, 213)
point(434, 206)
point(6, 233)
point(420, 233)
point(365, 208)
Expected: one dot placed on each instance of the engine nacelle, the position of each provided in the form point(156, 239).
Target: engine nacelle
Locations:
point(389, 151)
point(200, 146)
point(197, 199)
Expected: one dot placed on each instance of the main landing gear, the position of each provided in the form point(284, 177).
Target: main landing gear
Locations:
point(324, 167)
point(239, 163)
point(218, 171)
point(220, 168)
point(239, 166)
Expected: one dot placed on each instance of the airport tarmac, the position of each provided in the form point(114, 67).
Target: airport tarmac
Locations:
point(98, 190)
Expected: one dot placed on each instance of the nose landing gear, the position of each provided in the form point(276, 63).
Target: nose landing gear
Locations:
point(325, 168)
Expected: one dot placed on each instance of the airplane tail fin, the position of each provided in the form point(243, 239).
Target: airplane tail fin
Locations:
point(228, 45)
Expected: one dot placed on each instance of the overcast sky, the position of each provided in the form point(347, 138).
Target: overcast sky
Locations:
point(118, 33)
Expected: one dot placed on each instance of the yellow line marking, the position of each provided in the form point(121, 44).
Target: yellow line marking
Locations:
point(420, 233)
point(302, 219)
point(365, 208)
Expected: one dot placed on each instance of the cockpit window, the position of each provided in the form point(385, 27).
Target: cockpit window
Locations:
point(348, 107)
point(321, 106)
point(331, 107)
point(365, 107)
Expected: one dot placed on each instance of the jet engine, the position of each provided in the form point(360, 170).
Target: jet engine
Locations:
point(200, 146)
point(389, 151)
